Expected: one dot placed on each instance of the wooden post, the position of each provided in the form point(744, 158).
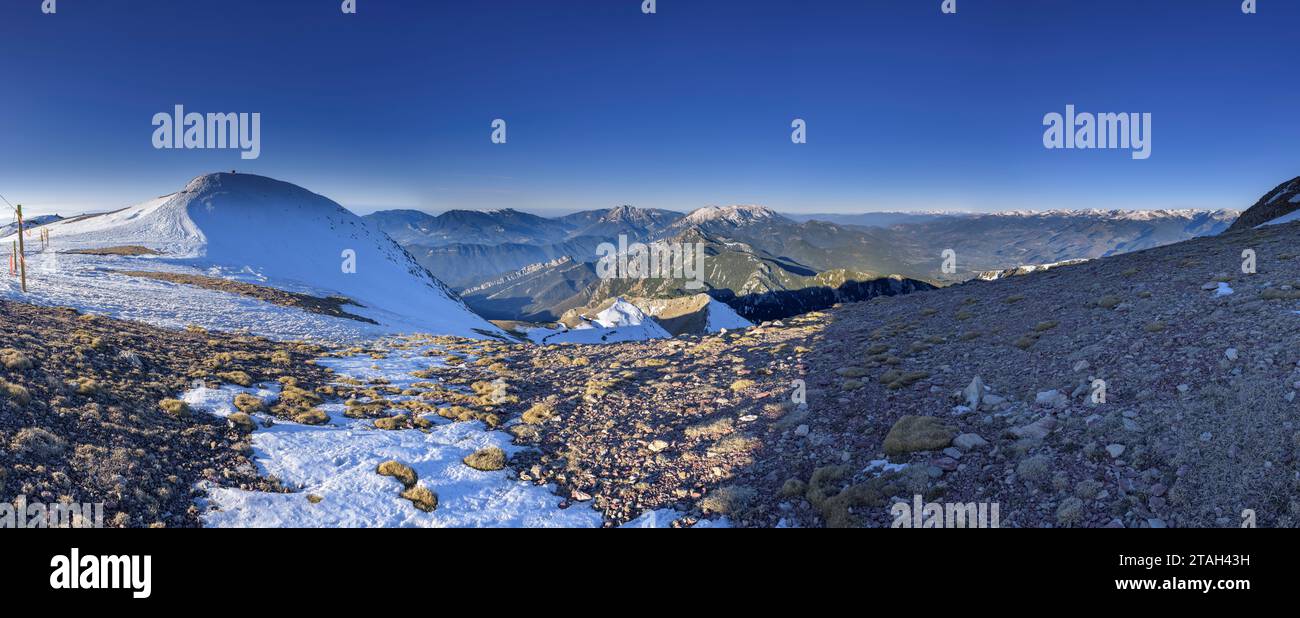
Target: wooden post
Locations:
point(22, 261)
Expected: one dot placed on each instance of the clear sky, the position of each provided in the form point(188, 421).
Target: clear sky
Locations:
point(907, 108)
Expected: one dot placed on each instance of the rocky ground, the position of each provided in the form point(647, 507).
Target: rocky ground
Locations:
point(1130, 391)
point(1196, 425)
point(1150, 389)
point(86, 413)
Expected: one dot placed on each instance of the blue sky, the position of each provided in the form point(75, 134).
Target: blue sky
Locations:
point(906, 108)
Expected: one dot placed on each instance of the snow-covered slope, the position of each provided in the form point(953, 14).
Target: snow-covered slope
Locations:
point(723, 316)
point(270, 232)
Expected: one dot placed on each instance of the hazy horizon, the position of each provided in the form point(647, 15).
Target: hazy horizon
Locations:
point(37, 209)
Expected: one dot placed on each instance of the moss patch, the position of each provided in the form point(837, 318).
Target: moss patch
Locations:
point(399, 471)
point(488, 460)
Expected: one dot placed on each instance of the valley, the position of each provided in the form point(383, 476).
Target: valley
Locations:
point(765, 265)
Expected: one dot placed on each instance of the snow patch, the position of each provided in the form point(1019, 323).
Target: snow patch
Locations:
point(1287, 218)
point(337, 462)
point(877, 467)
point(721, 316)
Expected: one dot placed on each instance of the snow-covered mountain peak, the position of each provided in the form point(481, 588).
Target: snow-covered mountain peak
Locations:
point(740, 214)
point(278, 234)
point(621, 313)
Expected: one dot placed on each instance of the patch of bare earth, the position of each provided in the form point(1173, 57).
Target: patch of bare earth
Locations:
point(330, 305)
point(127, 250)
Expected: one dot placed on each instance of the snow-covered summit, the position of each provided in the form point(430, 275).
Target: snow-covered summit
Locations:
point(275, 233)
point(621, 321)
point(741, 214)
point(621, 313)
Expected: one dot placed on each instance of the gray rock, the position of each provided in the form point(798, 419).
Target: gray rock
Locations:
point(1037, 429)
point(974, 393)
point(969, 441)
point(946, 464)
point(1053, 398)
point(1115, 450)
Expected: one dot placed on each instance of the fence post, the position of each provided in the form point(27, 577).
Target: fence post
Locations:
point(22, 261)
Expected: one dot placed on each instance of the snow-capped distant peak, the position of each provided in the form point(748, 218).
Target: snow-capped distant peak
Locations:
point(1121, 215)
point(735, 215)
point(619, 212)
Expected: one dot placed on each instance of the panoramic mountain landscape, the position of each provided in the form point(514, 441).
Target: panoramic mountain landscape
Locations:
point(303, 265)
point(776, 394)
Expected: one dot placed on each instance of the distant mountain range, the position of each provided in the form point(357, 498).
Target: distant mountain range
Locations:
point(513, 265)
point(509, 226)
point(29, 223)
point(756, 284)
